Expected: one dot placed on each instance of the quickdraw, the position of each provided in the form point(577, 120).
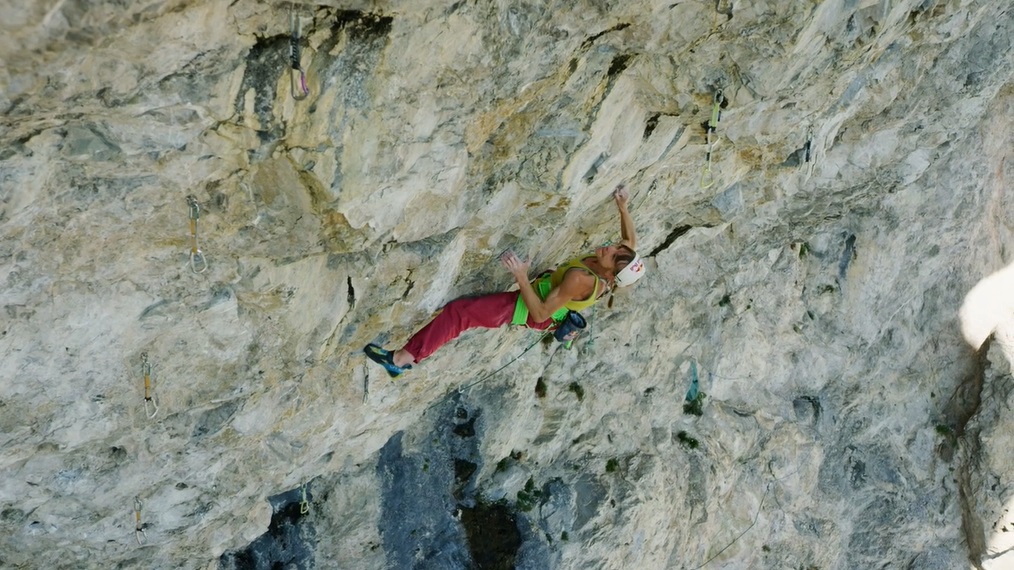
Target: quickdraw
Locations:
point(707, 177)
point(304, 504)
point(148, 399)
point(808, 152)
point(138, 527)
point(196, 256)
point(297, 78)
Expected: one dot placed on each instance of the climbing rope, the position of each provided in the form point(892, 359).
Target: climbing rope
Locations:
point(511, 361)
point(752, 523)
point(707, 177)
point(196, 256)
point(461, 389)
point(297, 78)
point(148, 399)
point(138, 527)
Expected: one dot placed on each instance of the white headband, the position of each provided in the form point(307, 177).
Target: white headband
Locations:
point(631, 273)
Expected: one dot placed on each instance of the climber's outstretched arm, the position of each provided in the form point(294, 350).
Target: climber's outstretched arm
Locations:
point(626, 222)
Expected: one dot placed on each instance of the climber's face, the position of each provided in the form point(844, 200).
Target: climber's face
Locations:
point(613, 258)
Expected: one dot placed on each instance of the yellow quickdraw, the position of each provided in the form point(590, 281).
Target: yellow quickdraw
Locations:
point(149, 400)
point(196, 256)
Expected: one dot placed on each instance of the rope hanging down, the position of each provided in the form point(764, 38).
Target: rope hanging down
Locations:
point(707, 177)
point(297, 78)
point(740, 535)
point(196, 256)
point(511, 361)
point(461, 389)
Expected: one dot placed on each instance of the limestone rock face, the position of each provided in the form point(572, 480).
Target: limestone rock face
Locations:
point(808, 277)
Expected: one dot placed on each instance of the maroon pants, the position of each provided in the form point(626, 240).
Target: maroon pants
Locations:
point(485, 311)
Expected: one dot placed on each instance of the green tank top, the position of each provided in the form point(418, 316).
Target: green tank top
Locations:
point(557, 277)
point(546, 283)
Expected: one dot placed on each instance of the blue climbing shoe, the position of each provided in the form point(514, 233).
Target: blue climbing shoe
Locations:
point(385, 358)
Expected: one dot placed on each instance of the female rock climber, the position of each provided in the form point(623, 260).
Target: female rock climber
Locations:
point(539, 304)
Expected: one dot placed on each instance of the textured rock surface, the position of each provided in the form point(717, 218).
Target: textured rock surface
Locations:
point(846, 424)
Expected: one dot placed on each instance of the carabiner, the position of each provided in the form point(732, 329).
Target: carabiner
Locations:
point(138, 527)
point(716, 109)
point(297, 79)
point(148, 398)
point(707, 177)
point(195, 208)
point(196, 255)
point(197, 260)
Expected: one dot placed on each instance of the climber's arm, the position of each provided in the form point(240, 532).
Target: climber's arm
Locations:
point(576, 285)
point(629, 237)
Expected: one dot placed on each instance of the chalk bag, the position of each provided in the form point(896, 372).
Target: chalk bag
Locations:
point(570, 327)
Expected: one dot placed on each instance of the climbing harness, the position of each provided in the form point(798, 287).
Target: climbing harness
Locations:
point(196, 256)
point(148, 399)
point(138, 527)
point(297, 78)
point(304, 505)
point(707, 177)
